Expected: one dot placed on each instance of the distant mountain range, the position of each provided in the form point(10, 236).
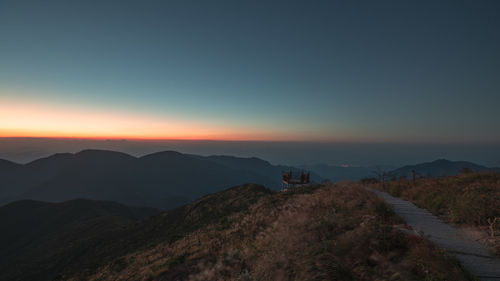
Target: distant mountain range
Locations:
point(168, 179)
point(161, 180)
point(440, 168)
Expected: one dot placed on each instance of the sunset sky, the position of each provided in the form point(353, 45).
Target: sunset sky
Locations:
point(327, 71)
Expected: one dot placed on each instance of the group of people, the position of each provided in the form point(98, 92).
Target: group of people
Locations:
point(291, 177)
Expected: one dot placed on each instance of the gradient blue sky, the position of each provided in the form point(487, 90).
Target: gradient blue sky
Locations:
point(354, 71)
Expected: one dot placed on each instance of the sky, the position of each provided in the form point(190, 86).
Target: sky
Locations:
point(303, 71)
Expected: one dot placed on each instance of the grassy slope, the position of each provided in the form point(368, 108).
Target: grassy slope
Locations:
point(69, 242)
point(468, 199)
point(336, 232)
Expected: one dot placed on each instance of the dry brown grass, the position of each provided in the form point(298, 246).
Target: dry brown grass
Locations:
point(334, 232)
point(470, 199)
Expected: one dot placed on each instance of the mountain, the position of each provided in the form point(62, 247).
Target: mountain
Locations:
point(338, 173)
point(7, 165)
point(161, 180)
point(329, 232)
point(440, 168)
point(260, 167)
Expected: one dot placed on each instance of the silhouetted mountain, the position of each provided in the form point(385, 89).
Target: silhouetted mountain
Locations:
point(161, 180)
point(258, 166)
point(6, 165)
point(440, 168)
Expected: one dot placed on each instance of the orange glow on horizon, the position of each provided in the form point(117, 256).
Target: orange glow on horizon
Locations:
point(33, 120)
point(37, 121)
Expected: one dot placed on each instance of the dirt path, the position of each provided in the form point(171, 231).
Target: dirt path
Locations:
point(473, 256)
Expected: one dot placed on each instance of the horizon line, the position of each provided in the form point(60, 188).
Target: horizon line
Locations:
point(338, 141)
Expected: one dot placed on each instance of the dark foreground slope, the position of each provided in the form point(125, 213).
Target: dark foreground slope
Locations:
point(38, 239)
point(7, 165)
point(47, 241)
point(336, 232)
point(161, 180)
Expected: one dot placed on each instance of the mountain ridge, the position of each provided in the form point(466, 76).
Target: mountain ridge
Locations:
point(162, 180)
point(440, 168)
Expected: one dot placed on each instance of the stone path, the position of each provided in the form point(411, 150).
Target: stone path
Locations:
point(474, 257)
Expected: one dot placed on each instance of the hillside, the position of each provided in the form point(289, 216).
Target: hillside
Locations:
point(335, 232)
point(440, 168)
point(161, 180)
point(468, 199)
point(47, 241)
point(39, 236)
